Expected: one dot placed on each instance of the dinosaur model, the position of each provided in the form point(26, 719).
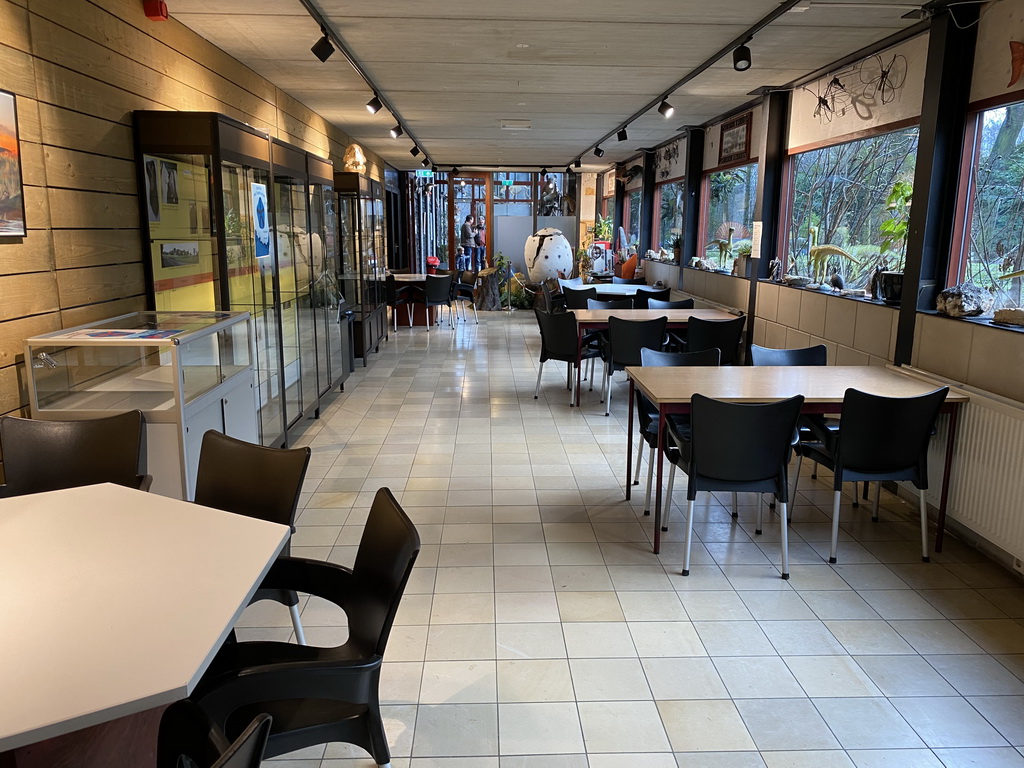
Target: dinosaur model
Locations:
point(724, 246)
point(820, 255)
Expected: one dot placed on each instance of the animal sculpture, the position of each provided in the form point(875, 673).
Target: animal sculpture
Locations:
point(724, 246)
point(820, 255)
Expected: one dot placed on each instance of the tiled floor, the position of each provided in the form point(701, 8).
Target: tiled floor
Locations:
point(539, 631)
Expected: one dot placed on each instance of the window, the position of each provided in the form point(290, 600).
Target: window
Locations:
point(669, 208)
point(994, 245)
point(849, 207)
point(551, 195)
point(513, 194)
point(634, 199)
point(729, 220)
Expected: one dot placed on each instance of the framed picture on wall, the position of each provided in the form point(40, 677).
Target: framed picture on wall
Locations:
point(12, 197)
point(735, 141)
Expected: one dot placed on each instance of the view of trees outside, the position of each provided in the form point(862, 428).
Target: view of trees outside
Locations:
point(731, 196)
point(670, 218)
point(515, 198)
point(996, 244)
point(842, 196)
point(634, 216)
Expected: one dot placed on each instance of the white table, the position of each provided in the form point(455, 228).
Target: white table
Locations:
point(612, 289)
point(115, 601)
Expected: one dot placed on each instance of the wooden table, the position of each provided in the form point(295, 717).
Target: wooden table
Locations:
point(409, 277)
point(610, 289)
point(589, 320)
point(114, 603)
point(823, 388)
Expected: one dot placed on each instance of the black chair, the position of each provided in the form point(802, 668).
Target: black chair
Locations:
point(610, 304)
point(738, 447)
point(51, 455)
point(576, 298)
point(189, 739)
point(658, 304)
point(642, 298)
point(396, 297)
point(438, 293)
point(465, 290)
point(268, 489)
point(554, 300)
point(629, 281)
point(723, 334)
point(320, 695)
point(879, 438)
point(559, 337)
point(625, 340)
point(647, 413)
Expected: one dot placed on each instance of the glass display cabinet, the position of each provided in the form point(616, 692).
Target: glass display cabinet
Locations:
point(361, 228)
point(188, 372)
point(229, 226)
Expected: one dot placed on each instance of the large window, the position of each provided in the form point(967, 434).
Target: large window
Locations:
point(634, 199)
point(729, 214)
point(994, 247)
point(513, 194)
point(850, 204)
point(669, 209)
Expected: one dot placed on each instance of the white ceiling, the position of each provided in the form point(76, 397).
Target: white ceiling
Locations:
point(576, 68)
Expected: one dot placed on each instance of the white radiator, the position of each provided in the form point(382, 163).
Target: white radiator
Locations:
point(986, 491)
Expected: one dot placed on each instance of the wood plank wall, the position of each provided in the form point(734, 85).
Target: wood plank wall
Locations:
point(79, 68)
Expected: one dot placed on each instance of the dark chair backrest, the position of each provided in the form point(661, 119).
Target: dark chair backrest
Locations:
point(653, 358)
point(643, 297)
point(554, 301)
point(384, 560)
point(627, 337)
point(629, 281)
point(887, 434)
point(438, 289)
point(708, 334)
point(610, 304)
point(817, 355)
point(576, 298)
point(249, 479)
point(558, 335)
point(391, 290)
point(681, 304)
point(468, 277)
point(188, 738)
point(740, 443)
point(51, 455)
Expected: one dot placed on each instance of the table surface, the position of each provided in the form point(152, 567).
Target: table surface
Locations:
point(115, 601)
point(410, 277)
point(608, 289)
point(673, 315)
point(817, 383)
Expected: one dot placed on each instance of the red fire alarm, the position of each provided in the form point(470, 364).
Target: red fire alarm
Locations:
point(156, 10)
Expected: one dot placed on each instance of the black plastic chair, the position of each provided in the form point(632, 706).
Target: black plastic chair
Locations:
point(681, 304)
point(396, 297)
point(738, 447)
point(189, 739)
point(626, 303)
point(576, 298)
point(708, 334)
point(438, 293)
point(50, 455)
point(647, 412)
point(629, 281)
point(554, 300)
point(879, 438)
point(642, 298)
point(559, 337)
point(321, 695)
point(465, 292)
point(268, 489)
point(625, 340)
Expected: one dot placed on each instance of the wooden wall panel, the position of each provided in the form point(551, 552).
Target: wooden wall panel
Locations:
point(12, 390)
point(17, 68)
point(64, 128)
point(14, 332)
point(75, 209)
point(92, 313)
point(31, 294)
point(95, 247)
point(86, 171)
point(92, 285)
point(37, 208)
point(14, 23)
point(33, 253)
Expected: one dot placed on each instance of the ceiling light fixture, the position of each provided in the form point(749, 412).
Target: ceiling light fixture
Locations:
point(425, 162)
point(322, 48)
point(414, 151)
point(741, 57)
point(397, 131)
point(454, 170)
point(666, 109)
point(543, 170)
point(568, 170)
point(433, 168)
point(374, 105)
point(598, 152)
point(577, 163)
point(622, 135)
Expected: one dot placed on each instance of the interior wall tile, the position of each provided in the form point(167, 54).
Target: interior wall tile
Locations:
point(840, 321)
point(874, 329)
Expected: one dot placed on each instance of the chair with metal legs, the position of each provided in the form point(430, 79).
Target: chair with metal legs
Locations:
point(438, 293)
point(708, 334)
point(559, 336)
point(625, 340)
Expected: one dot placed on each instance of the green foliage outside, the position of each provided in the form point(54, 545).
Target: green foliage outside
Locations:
point(670, 223)
point(731, 196)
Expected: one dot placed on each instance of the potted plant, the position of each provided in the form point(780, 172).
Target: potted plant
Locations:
point(893, 248)
point(677, 248)
point(603, 231)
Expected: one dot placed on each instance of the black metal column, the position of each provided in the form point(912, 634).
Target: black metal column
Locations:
point(617, 216)
point(947, 93)
point(692, 202)
point(647, 204)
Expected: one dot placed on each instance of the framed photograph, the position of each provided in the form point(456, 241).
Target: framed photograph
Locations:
point(12, 198)
point(179, 255)
point(168, 182)
point(735, 142)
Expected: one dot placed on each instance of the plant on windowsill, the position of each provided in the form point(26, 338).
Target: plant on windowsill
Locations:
point(887, 277)
point(677, 248)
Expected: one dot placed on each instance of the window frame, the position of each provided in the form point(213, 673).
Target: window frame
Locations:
point(656, 213)
point(705, 199)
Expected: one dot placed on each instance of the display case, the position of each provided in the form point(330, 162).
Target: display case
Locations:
point(188, 372)
point(361, 228)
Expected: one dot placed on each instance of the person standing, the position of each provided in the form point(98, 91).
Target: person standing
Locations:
point(467, 239)
point(480, 241)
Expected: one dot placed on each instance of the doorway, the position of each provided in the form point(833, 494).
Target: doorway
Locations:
point(470, 195)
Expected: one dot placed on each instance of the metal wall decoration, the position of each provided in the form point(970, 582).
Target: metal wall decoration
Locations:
point(735, 140)
point(12, 198)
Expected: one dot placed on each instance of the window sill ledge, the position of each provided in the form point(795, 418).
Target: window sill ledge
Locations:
point(984, 322)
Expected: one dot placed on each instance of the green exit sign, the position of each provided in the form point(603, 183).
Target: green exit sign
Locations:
point(506, 182)
point(424, 173)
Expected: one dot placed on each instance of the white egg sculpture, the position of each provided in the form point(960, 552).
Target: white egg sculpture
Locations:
point(547, 251)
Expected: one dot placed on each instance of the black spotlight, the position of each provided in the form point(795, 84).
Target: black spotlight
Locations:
point(455, 170)
point(568, 170)
point(543, 171)
point(414, 151)
point(666, 109)
point(374, 105)
point(433, 169)
point(598, 152)
point(622, 135)
point(577, 163)
point(322, 48)
point(397, 131)
point(741, 58)
point(425, 162)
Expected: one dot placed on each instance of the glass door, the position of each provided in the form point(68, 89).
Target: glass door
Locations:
point(324, 296)
point(469, 197)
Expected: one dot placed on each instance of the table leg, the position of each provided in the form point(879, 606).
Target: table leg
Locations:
point(579, 363)
point(954, 415)
point(629, 444)
point(657, 485)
